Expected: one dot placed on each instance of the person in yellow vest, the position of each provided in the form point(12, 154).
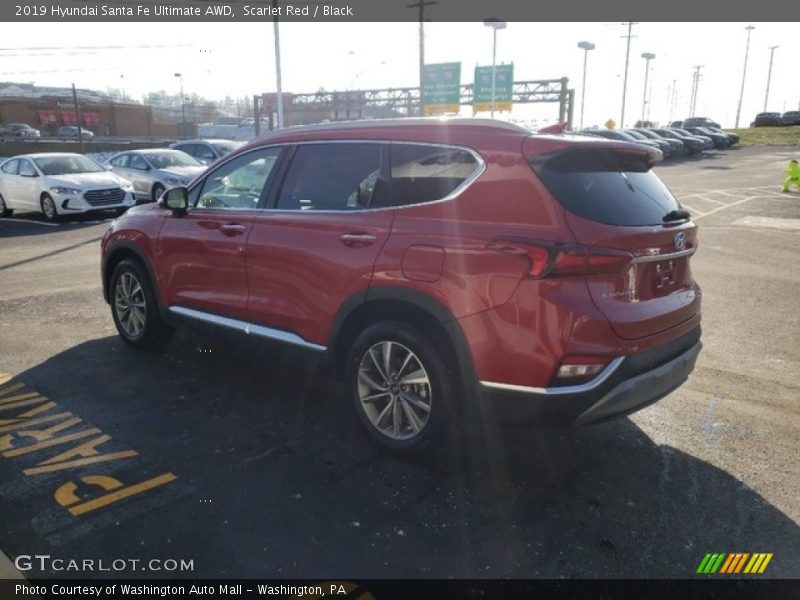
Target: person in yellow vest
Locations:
point(793, 176)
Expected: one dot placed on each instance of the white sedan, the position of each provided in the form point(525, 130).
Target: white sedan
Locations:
point(57, 184)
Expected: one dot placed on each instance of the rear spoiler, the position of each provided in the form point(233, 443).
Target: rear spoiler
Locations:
point(541, 149)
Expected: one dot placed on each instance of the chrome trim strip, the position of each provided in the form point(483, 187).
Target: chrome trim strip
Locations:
point(246, 328)
point(647, 258)
point(476, 173)
point(557, 391)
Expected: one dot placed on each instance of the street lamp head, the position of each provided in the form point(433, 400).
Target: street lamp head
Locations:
point(495, 23)
point(178, 75)
point(648, 55)
point(586, 45)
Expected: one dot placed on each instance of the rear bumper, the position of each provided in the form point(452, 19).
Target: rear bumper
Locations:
point(637, 381)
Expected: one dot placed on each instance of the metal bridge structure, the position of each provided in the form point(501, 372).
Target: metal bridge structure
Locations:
point(395, 102)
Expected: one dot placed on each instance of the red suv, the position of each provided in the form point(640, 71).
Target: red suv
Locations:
point(437, 265)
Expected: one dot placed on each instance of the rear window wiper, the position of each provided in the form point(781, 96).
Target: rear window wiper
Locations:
point(676, 215)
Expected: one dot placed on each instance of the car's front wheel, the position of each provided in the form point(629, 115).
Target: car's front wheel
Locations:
point(401, 383)
point(48, 206)
point(158, 189)
point(135, 308)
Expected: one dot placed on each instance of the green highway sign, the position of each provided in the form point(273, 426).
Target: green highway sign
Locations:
point(503, 88)
point(442, 88)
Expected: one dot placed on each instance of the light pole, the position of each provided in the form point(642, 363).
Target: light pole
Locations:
point(585, 46)
point(122, 80)
point(769, 74)
point(625, 78)
point(647, 56)
point(495, 24)
point(279, 90)
point(695, 89)
point(183, 107)
point(749, 28)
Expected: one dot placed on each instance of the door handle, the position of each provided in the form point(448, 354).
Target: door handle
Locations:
point(233, 228)
point(358, 239)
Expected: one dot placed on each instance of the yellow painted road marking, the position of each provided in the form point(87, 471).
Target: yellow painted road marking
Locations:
point(66, 496)
point(37, 400)
point(24, 396)
point(49, 468)
point(107, 499)
point(12, 424)
point(52, 442)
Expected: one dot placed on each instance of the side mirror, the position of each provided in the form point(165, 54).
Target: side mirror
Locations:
point(176, 199)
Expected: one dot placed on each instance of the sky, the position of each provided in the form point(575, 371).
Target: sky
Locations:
point(237, 59)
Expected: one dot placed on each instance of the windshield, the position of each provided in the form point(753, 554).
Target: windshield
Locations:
point(223, 148)
point(172, 158)
point(636, 135)
point(67, 164)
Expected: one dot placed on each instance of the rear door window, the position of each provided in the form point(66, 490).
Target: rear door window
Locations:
point(424, 173)
point(335, 176)
point(611, 187)
point(11, 167)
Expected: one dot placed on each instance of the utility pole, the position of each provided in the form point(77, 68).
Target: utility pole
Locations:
point(277, 36)
point(647, 56)
point(183, 107)
point(769, 74)
point(585, 46)
point(77, 117)
point(421, 4)
point(749, 29)
point(695, 89)
point(625, 78)
point(495, 24)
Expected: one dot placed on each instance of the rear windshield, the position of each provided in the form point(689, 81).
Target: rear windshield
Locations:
point(606, 186)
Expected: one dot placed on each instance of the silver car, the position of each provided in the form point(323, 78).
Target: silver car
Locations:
point(153, 171)
point(207, 151)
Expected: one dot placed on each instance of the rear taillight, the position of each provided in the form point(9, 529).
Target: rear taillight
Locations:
point(549, 259)
point(579, 369)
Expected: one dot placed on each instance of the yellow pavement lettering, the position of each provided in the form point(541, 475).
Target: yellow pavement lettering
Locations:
point(37, 399)
point(41, 435)
point(89, 453)
point(18, 397)
point(66, 496)
point(51, 442)
point(24, 419)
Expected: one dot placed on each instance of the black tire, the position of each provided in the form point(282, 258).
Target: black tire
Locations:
point(440, 370)
point(4, 210)
point(48, 206)
point(158, 189)
point(154, 332)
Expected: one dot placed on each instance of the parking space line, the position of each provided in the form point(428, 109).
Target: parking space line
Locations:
point(693, 210)
point(737, 203)
point(707, 199)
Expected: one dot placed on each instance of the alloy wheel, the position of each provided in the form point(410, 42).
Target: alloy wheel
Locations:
point(130, 305)
point(49, 207)
point(394, 390)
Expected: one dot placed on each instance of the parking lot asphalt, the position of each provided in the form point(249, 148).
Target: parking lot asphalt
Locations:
point(236, 456)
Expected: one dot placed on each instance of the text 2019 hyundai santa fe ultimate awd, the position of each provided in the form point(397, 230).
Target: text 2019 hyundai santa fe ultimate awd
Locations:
point(436, 265)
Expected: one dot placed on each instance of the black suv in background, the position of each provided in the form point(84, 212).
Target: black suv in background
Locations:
point(698, 122)
point(767, 119)
point(791, 118)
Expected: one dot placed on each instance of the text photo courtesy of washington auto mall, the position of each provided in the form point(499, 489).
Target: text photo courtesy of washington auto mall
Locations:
point(398, 299)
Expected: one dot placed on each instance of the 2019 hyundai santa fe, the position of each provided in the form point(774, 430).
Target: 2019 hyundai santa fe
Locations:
point(442, 268)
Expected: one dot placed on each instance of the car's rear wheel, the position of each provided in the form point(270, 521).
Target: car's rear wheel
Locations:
point(135, 308)
point(158, 189)
point(4, 210)
point(48, 206)
point(401, 383)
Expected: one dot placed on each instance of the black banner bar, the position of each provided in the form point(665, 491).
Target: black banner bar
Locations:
point(382, 10)
point(384, 589)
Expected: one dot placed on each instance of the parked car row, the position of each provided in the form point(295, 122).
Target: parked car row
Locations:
point(671, 141)
point(776, 119)
point(62, 183)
